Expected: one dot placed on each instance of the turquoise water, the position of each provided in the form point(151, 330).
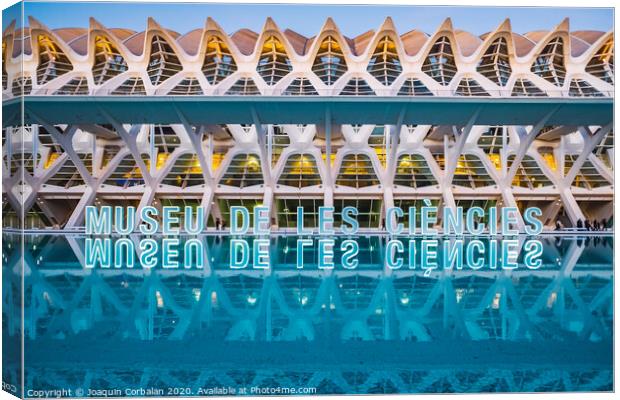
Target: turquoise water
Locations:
point(285, 330)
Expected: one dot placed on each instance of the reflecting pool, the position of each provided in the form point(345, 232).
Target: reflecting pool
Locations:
point(283, 330)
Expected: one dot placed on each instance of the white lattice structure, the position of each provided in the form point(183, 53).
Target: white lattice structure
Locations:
point(60, 168)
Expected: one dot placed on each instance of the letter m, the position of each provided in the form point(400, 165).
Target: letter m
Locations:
point(98, 221)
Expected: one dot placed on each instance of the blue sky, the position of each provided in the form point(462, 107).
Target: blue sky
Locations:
point(308, 19)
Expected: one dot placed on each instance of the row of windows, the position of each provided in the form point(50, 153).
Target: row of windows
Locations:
point(301, 170)
point(134, 86)
point(329, 64)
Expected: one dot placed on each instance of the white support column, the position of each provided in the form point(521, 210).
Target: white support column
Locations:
point(388, 201)
point(509, 201)
point(146, 200)
point(328, 200)
point(261, 133)
point(394, 133)
point(205, 202)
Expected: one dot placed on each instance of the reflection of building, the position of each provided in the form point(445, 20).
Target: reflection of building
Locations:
point(551, 145)
point(512, 329)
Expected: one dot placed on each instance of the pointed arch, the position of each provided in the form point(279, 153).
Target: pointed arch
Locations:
point(300, 170)
point(602, 63)
point(219, 62)
point(163, 61)
point(274, 62)
point(440, 63)
point(495, 63)
point(53, 62)
point(384, 63)
point(550, 63)
point(108, 62)
point(330, 63)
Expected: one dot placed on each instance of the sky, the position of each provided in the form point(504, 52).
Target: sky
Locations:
point(308, 19)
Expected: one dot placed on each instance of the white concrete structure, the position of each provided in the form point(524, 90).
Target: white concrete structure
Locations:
point(60, 169)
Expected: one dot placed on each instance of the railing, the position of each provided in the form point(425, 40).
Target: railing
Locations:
point(324, 93)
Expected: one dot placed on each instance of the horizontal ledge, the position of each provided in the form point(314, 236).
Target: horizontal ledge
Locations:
point(307, 110)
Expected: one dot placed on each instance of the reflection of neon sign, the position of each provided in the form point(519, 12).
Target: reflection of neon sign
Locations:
point(416, 246)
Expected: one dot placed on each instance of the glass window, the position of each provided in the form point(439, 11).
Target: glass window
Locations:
point(495, 63)
point(470, 172)
point(219, 62)
point(132, 86)
point(52, 60)
point(469, 87)
point(249, 203)
point(300, 171)
point(188, 86)
point(384, 63)
point(185, 172)
point(549, 64)
point(440, 64)
point(329, 63)
point(602, 151)
point(587, 177)
point(108, 61)
point(525, 88)
point(163, 62)
point(581, 88)
point(274, 63)
point(602, 64)
point(21, 86)
point(126, 174)
point(244, 170)
point(529, 175)
point(369, 211)
point(76, 86)
point(413, 171)
point(287, 211)
point(300, 87)
point(357, 87)
point(357, 171)
point(243, 87)
point(414, 87)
